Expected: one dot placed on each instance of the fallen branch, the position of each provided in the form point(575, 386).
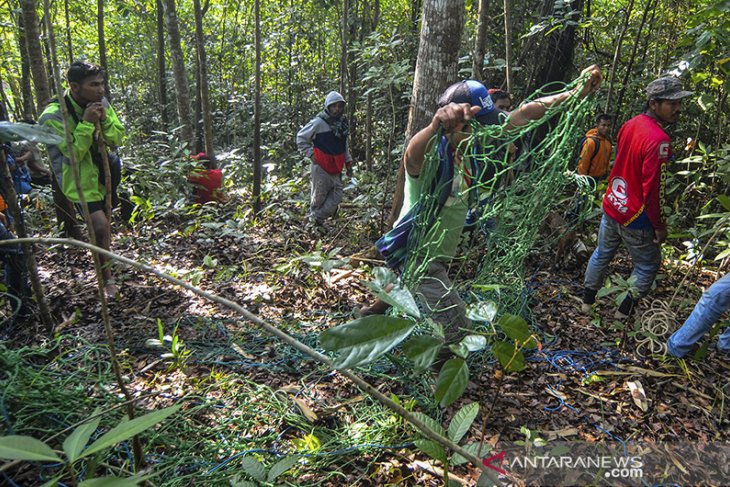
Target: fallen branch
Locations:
point(283, 336)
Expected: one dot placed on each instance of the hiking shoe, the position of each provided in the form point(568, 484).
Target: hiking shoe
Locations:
point(624, 310)
point(589, 299)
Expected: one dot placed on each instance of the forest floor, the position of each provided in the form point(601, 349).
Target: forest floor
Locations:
point(246, 393)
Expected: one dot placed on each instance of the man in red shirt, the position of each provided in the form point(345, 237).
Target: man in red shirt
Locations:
point(207, 182)
point(633, 201)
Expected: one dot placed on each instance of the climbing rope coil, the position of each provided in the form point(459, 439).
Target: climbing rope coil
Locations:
point(656, 324)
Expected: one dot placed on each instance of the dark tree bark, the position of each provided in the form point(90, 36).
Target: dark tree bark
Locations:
point(35, 52)
point(29, 110)
point(554, 59)
point(436, 69)
point(182, 89)
point(161, 70)
point(257, 115)
point(508, 44)
point(617, 55)
point(203, 85)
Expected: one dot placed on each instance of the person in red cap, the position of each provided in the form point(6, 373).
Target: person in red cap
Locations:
point(207, 182)
point(633, 200)
point(458, 105)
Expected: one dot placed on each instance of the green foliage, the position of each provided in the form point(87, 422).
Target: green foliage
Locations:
point(363, 340)
point(76, 446)
point(422, 350)
point(178, 353)
point(257, 470)
point(396, 296)
point(452, 381)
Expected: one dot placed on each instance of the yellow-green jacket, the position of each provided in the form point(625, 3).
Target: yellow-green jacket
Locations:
point(83, 146)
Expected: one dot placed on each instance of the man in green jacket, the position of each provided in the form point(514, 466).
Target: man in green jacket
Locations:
point(86, 108)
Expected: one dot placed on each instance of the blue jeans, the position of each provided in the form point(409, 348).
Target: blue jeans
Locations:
point(713, 303)
point(645, 254)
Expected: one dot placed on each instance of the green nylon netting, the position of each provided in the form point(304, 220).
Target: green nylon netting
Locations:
point(512, 203)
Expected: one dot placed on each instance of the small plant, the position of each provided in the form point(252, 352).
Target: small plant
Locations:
point(78, 456)
point(258, 472)
point(178, 352)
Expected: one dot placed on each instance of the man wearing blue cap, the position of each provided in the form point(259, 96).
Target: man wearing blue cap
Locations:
point(458, 105)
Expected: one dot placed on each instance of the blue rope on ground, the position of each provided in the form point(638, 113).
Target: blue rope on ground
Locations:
point(9, 480)
point(560, 400)
point(341, 451)
point(623, 443)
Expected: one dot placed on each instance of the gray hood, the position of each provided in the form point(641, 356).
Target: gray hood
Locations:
point(332, 98)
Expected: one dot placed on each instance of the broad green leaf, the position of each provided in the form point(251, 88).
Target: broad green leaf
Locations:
point(244, 483)
point(15, 447)
point(482, 311)
point(128, 429)
point(485, 480)
point(504, 352)
point(724, 201)
point(459, 350)
point(474, 343)
point(112, 482)
point(516, 328)
point(384, 276)
point(422, 351)
point(254, 468)
point(452, 381)
point(462, 420)
point(363, 340)
point(432, 449)
point(53, 482)
point(399, 297)
point(723, 254)
point(431, 423)
point(23, 131)
point(281, 467)
point(472, 448)
point(76, 441)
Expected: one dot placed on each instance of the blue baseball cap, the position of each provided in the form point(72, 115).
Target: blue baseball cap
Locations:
point(472, 92)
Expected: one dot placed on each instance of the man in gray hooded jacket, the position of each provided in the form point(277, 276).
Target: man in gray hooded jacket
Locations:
point(324, 141)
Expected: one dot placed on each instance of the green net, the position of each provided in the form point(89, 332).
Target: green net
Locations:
point(517, 178)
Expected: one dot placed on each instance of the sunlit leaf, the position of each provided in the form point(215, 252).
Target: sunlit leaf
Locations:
point(363, 340)
point(15, 447)
point(128, 429)
point(76, 441)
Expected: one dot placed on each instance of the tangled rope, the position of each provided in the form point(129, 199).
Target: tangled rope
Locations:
point(656, 324)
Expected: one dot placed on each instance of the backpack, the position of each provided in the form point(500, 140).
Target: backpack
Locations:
point(579, 149)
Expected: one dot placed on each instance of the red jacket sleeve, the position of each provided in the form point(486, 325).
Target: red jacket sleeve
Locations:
point(654, 179)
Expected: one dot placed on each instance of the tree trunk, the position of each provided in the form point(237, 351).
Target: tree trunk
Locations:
point(35, 53)
point(436, 69)
point(257, 115)
point(649, 6)
point(181, 79)
point(617, 55)
point(344, 41)
point(203, 70)
point(508, 44)
point(29, 110)
point(161, 70)
point(480, 43)
point(554, 61)
point(69, 45)
point(102, 46)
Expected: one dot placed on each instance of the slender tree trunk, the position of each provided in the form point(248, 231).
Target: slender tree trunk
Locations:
point(480, 43)
point(29, 110)
point(161, 70)
point(35, 52)
point(203, 70)
point(617, 55)
point(69, 45)
point(181, 79)
point(344, 40)
point(637, 40)
point(102, 46)
point(257, 115)
point(198, 112)
point(436, 69)
point(508, 44)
